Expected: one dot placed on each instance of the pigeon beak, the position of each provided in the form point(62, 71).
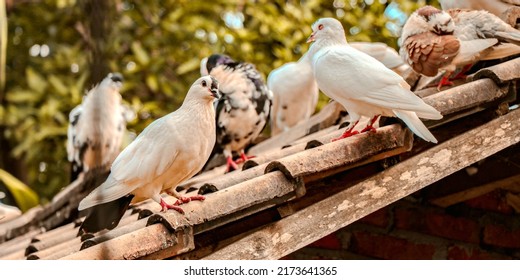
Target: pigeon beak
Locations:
point(311, 38)
point(214, 88)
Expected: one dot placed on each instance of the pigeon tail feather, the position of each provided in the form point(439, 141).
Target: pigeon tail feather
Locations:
point(415, 124)
point(512, 37)
point(105, 216)
point(98, 196)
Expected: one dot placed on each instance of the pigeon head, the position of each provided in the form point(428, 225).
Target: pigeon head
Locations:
point(206, 87)
point(439, 22)
point(114, 80)
point(116, 77)
point(427, 19)
point(327, 29)
point(217, 59)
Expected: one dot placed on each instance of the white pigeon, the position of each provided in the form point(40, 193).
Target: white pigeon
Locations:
point(435, 41)
point(496, 7)
point(295, 94)
point(362, 84)
point(244, 108)
point(169, 151)
point(96, 127)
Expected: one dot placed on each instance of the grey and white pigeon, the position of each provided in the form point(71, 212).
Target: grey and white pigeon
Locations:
point(97, 126)
point(244, 108)
point(496, 7)
point(362, 84)
point(433, 40)
point(169, 151)
point(295, 94)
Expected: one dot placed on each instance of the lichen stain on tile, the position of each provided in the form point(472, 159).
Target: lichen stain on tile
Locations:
point(423, 171)
point(276, 238)
point(286, 237)
point(442, 157)
point(387, 179)
point(331, 215)
point(331, 226)
point(505, 125)
point(374, 192)
point(499, 132)
point(423, 160)
point(344, 205)
point(465, 148)
point(362, 204)
point(368, 185)
point(405, 176)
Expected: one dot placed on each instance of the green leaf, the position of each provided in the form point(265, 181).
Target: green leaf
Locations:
point(35, 81)
point(58, 85)
point(23, 96)
point(188, 66)
point(140, 54)
point(24, 196)
point(152, 83)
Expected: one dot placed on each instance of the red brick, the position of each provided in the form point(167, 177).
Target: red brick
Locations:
point(457, 252)
point(380, 218)
point(437, 224)
point(493, 201)
point(453, 227)
point(388, 247)
point(501, 236)
point(330, 241)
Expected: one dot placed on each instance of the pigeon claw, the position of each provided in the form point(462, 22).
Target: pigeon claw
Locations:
point(368, 128)
point(345, 135)
point(445, 81)
point(184, 199)
point(243, 158)
point(165, 206)
point(231, 165)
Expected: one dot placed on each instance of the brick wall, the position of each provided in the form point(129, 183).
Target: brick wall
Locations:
point(486, 227)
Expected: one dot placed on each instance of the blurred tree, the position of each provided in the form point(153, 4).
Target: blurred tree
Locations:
point(57, 49)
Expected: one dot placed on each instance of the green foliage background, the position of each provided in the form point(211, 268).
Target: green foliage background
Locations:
point(157, 46)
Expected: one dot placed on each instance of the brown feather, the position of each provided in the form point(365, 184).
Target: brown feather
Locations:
point(428, 52)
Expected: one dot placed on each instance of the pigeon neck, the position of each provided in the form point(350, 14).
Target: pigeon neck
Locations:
point(196, 104)
point(325, 42)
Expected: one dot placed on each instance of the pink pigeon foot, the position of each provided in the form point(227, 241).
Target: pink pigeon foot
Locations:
point(184, 199)
point(243, 158)
point(230, 165)
point(165, 206)
point(349, 132)
point(445, 81)
point(462, 73)
point(370, 127)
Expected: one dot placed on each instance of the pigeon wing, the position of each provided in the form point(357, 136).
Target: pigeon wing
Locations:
point(427, 52)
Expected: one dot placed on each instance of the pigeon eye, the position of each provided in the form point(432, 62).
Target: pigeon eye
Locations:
point(320, 27)
point(204, 84)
